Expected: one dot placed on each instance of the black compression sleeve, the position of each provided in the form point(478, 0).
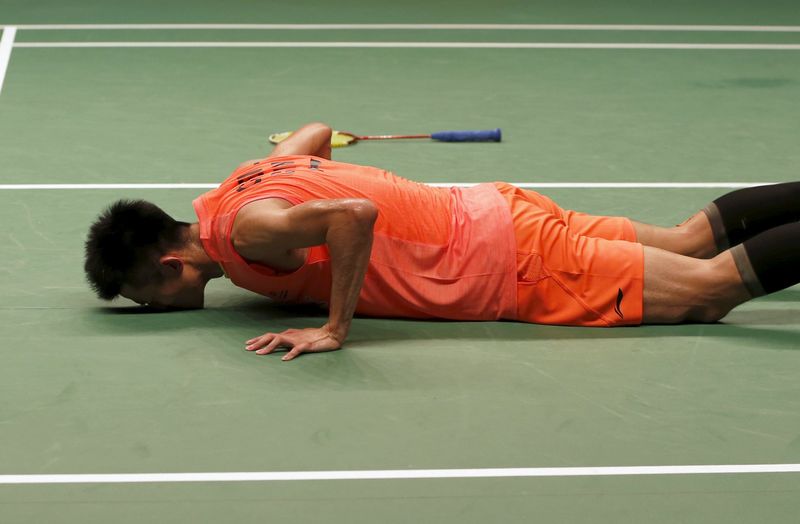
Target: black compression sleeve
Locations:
point(770, 261)
point(744, 213)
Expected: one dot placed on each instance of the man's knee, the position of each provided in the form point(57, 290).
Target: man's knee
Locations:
point(708, 312)
point(717, 289)
point(681, 289)
point(694, 237)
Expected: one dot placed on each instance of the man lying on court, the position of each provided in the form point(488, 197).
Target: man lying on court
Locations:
point(298, 227)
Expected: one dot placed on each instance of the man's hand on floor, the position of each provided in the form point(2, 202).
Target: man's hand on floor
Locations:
point(310, 340)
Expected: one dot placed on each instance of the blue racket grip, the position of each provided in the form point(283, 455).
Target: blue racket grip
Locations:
point(488, 135)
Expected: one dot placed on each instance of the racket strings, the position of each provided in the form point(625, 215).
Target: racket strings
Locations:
point(341, 139)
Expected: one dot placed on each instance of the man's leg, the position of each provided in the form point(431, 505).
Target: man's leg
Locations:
point(694, 238)
point(576, 269)
point(727, 221)
point(679, 288)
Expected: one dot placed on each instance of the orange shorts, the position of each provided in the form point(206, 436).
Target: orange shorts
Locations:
point(572, 268)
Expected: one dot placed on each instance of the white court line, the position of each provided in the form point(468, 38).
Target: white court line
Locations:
point(492, 27)
point(108, 186)
point(525, 185)
point(417, 45)
point(260, 476)
point(6, 44)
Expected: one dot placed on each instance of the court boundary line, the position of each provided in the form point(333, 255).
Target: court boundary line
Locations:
point(416, 45)
point(437, 27)
point(262, 476)
point(524, 185)
point(6, 45)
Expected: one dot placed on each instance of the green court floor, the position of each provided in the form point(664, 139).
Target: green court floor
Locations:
point(87, 388)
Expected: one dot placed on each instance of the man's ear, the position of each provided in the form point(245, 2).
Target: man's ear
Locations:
point(171, 264)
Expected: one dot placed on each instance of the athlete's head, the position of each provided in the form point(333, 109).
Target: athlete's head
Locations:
point(136, 250)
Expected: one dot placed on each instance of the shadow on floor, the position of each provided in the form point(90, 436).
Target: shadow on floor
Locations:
point(773, 328)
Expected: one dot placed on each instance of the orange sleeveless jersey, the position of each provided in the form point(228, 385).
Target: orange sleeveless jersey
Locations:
point(437, 252)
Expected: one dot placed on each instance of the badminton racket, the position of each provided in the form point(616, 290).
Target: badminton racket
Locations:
point(343, 138)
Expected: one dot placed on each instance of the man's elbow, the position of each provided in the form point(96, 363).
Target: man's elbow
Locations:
point(361, 214)
point(319, 126)
point(365, 211)
point(318, 129)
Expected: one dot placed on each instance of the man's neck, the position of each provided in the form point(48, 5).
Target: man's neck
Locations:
point(199, 257)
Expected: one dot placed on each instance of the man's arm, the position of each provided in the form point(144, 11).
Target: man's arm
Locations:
point(266, 231)
point(311, 139)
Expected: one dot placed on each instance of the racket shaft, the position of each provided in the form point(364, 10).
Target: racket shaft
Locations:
point(391, 137)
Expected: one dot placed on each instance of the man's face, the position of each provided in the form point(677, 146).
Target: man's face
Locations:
point(178, 289)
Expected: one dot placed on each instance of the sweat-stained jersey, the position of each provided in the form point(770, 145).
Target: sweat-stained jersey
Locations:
point(437, 252)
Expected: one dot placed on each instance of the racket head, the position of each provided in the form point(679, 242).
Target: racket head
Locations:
point(338, 138)
point(342, 139)
point(277, 138)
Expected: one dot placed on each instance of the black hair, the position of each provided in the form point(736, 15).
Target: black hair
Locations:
point(124, 243)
